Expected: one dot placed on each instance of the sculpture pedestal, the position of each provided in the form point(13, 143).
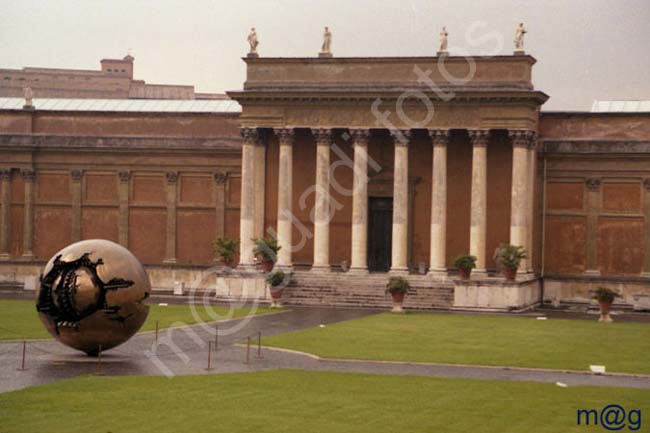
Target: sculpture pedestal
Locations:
point(325, 55)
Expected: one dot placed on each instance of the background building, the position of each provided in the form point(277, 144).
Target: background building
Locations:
point(164, 178)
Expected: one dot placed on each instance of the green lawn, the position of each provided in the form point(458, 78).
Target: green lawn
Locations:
point(19, 319)
point(483, 340)
point(300, 401)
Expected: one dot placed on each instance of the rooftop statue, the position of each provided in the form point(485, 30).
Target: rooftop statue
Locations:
point(253, 42)
point(519, 37)
point(326, 49)
point(444, 36)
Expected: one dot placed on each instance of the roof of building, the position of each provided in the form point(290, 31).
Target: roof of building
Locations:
point(126, 105)
point(621, 107)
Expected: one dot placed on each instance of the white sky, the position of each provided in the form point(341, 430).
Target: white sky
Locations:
point(586, 49)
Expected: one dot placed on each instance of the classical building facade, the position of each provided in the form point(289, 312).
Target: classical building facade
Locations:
point(361, 167)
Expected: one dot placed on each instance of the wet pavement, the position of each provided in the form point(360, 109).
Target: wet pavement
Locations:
point(188, 350)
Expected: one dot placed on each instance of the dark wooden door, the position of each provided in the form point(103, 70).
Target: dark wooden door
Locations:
point(380, 234)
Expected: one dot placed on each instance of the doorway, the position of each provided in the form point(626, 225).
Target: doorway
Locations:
point(380, 233)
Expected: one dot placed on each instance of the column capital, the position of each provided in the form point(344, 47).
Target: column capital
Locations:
point(401, 137)
point(522, 137)
point(124, 176)
point(285, 135)
point(593, 184)
point(5, 174)
point(646, 184)
point(76, 175)
point(250, 135)
point(361, 136)
point(220, 177)
point(29, 175)
point(479, 137)
point(322, 135)
point(172, 177)
point(439, 137)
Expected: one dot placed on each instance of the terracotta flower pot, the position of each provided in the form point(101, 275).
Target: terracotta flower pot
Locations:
point(465, 273)
point(398, 300)
point(267, 265)
point(510, 274)
point(276, 295)
point(605, 308)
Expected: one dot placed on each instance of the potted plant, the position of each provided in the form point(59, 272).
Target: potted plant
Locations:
point(605, 298)
point(465, 264)
point(226, 249)
point(277, 281)
point(509, 257)
point(266, 250)
point(397, 287)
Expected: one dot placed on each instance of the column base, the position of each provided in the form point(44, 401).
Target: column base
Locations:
point(645, 274)
point(479, 274)
point(320, 269)
point(4, 256)
point(592, 273)
point(169, 261)
point(398, 271)
point(358, 271)
point(283, 268)
point(28, 256)
point(246, 267)
point(438, 274)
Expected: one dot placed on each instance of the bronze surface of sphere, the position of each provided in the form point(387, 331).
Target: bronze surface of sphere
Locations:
point(91, 295)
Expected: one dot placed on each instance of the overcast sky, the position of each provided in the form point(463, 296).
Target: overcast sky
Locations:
point(586, 49)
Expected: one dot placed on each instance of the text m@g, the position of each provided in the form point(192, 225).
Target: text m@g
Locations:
point(612, 417)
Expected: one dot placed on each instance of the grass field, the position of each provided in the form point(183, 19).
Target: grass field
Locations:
point(482, 340)
point(299, 401)
point(19, 319)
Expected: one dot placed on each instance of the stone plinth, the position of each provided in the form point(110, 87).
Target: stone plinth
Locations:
point(496, 294)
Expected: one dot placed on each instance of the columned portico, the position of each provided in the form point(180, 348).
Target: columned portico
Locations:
point(285, 196)
point(478, 224)
point(438, 254)
point(322, 205)
point(359, 257)
point(399, 254)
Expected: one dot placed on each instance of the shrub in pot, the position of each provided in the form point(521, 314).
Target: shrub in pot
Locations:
point(397, 287)
point(509, 257)
point(226, 250)
point(277, 281)
point(465, 264)
point(266, 250)
point(605, 298)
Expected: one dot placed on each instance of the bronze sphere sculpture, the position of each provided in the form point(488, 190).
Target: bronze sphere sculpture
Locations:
point(91, 295)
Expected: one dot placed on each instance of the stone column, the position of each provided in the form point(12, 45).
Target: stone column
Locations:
point(285, 197)
point(170, 249)
point(519, 206)
point(322, 204)
point(438, 254)
point(532, 176)
point(260, 193)
point(593, 209)
point(399, 253)
point(29, 176)
point(359, 262)
point(76, 176)
point(478, 222)
point(220, 179)
point(247, 210)
point(5, 216)
point(646, 210)
point(123, 197)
